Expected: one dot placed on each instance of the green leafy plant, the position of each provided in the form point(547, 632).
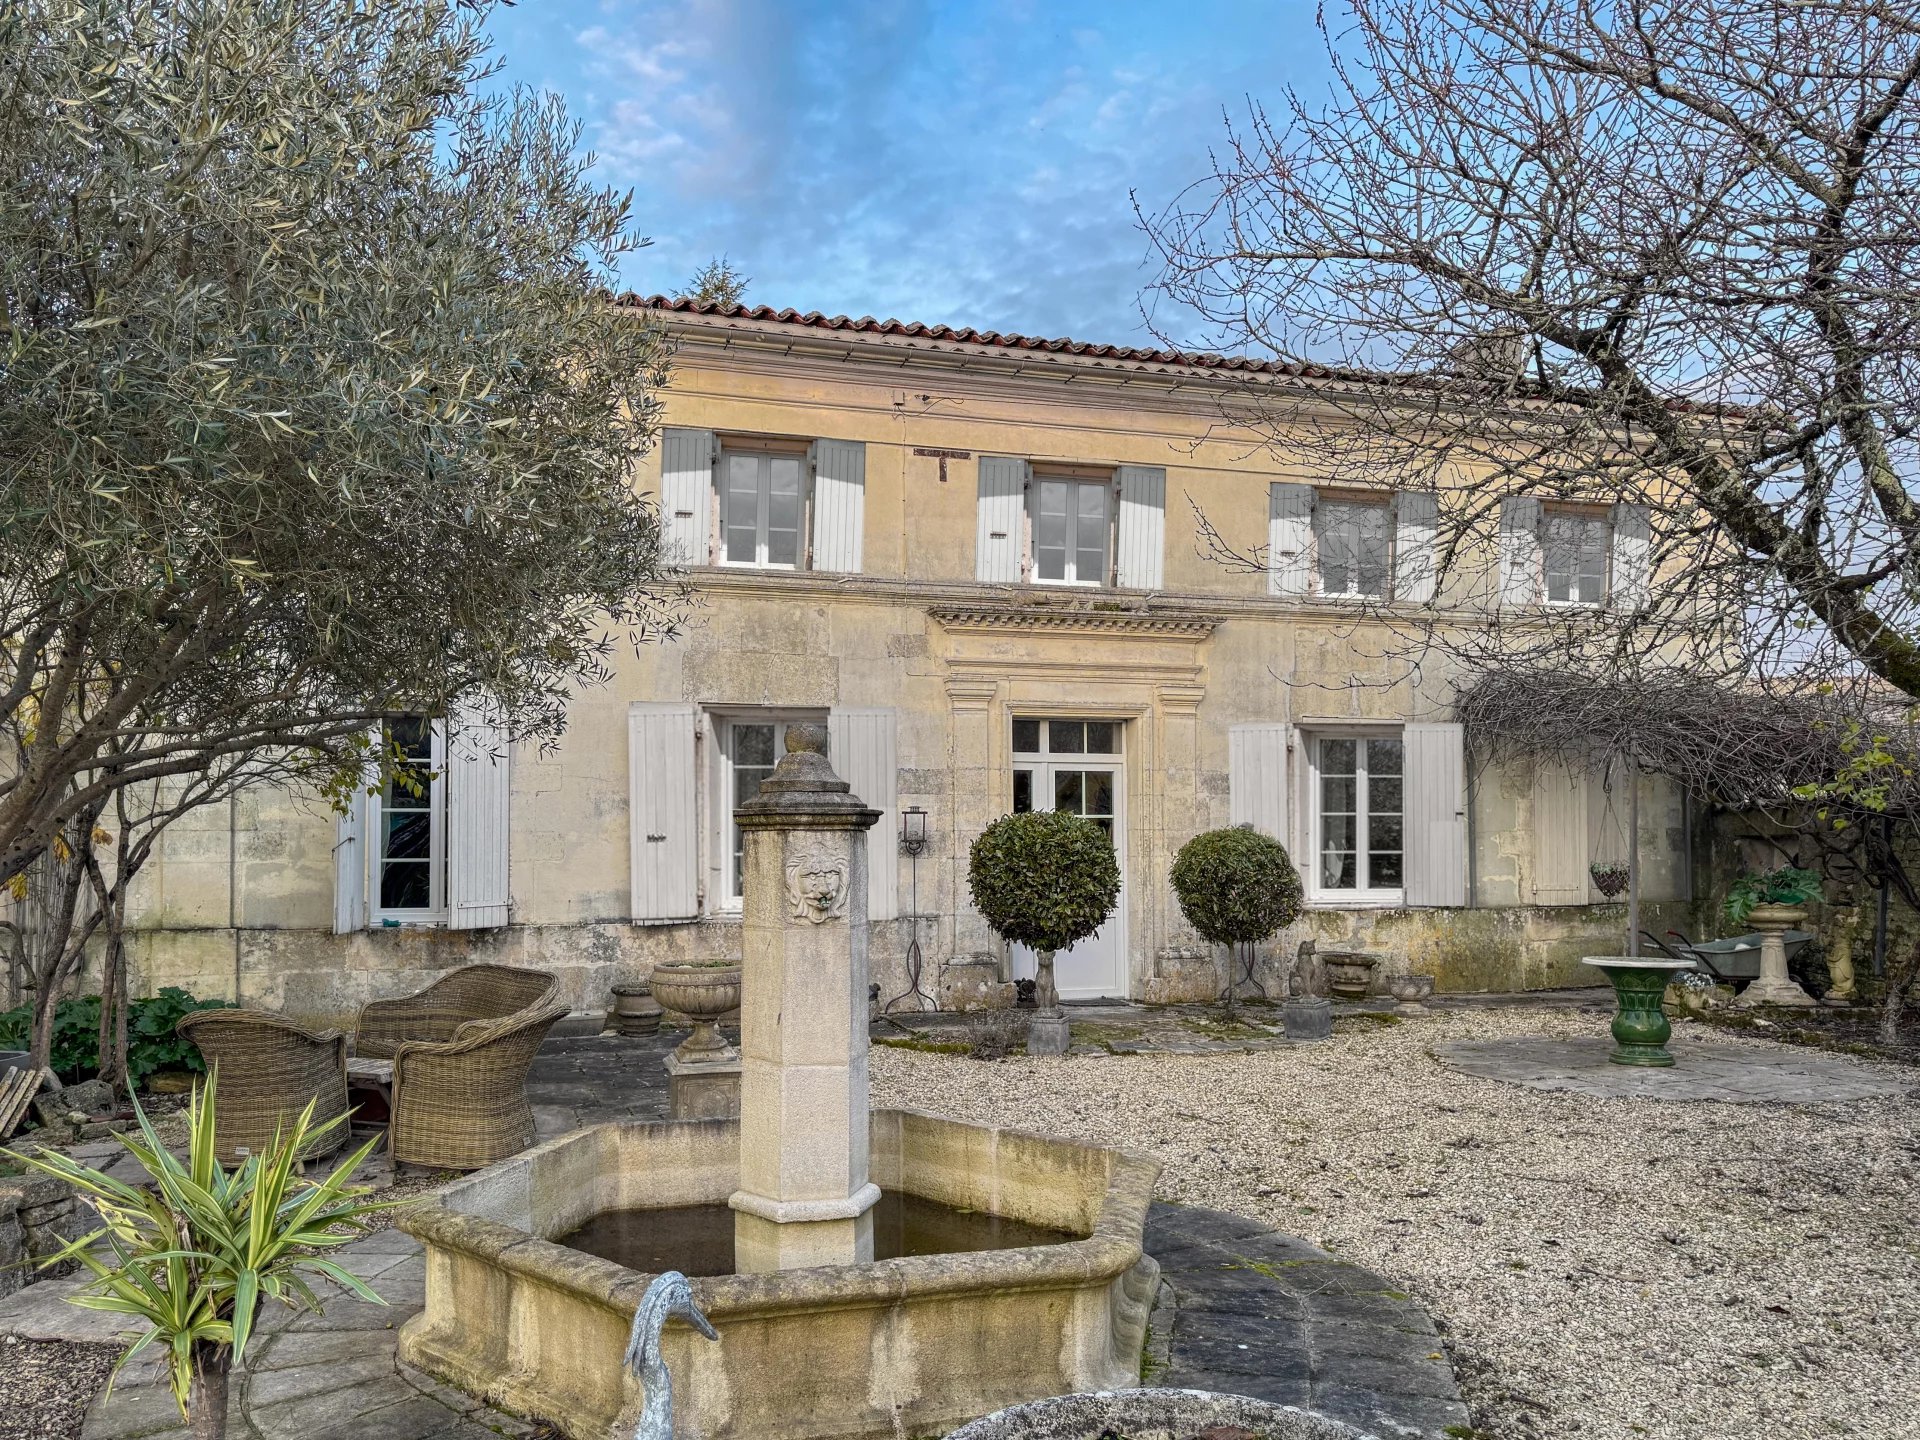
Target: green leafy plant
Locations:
point(195, 1250)
point(1789, 885)
point(1237, 886)
point(1044, 879)
point(151, 1042)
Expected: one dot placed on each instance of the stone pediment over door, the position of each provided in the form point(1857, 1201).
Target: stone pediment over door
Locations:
point(1028, 644)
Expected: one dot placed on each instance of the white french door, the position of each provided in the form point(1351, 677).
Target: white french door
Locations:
point(1075, 765)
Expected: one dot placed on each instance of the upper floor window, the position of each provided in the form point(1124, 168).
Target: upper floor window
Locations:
point(762, 509)
point(1573, 547)
point(750, 744)
point(1072, 523)
point(1353, 543)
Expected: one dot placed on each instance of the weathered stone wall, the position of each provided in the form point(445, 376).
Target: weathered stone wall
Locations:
point(38, 1216)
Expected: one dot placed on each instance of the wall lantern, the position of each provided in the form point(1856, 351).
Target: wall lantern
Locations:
point(913, 830)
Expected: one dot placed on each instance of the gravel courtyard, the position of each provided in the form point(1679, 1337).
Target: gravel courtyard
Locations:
point(1602, 1268)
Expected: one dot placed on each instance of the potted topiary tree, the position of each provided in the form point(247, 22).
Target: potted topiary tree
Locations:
point(1046, 880)
point(1236, 887)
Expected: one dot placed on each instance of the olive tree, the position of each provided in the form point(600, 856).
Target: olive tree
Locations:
point(1236, 887)
point(312, 410)
point(1046, 880)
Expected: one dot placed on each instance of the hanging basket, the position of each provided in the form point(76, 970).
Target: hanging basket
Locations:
point(1610, 877)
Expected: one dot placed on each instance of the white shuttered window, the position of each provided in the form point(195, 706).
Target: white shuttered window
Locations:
point(862, 747)
point(1520, 559)
point(686, 492)
point(1257, 779)
point(663, 791)
point(839, 504)
point(1560, 834)
point(1000, 543)
point(1436, 818)
point(478, 791)
point(1143, 526)
point(1416, 518)
point(1289, 539)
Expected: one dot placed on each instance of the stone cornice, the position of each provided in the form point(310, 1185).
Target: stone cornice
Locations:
point(1057, 619)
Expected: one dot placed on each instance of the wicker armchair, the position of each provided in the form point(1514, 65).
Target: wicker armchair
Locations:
point(462, 1103)
point(269, 1069)
point(473, 992)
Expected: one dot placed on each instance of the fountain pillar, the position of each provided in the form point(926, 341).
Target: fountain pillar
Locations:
point(804, 1198)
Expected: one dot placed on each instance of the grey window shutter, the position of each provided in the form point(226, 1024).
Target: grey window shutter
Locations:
point(1632, 556)
point(1416, 541)
point(1143, 526)
point(686, 490)
point(839, 504)
point(350, 866)
point(1436, 814)
point(1560, 875)
point(1289, 539)
point(1257, 778)
point(1521, 579)
point(479, 781)
point(862, 747)
point(1003, 496)
point(663, 785)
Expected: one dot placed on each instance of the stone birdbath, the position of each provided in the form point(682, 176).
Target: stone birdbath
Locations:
point(1640, 1027)
point(1775, 986)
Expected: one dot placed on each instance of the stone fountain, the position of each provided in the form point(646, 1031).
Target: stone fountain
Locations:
point(869, 1273)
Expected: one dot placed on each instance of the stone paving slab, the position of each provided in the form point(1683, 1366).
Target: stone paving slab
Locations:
point(1248, 1310)
point(1736, 1074)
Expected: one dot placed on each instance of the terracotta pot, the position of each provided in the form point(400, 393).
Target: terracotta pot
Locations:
point(702, 993)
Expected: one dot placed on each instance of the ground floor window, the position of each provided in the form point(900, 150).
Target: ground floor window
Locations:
point(750, 744)
point(1358, 834)
point(409, 824)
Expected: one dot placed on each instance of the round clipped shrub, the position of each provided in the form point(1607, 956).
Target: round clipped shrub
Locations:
point(1237, 886)
point(1044, 879)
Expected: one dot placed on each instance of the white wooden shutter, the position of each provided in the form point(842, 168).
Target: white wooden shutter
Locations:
point(1003, 503)
point(1143, 526)
point(861, 745)
point(839, 504)
point(1521, 578)
point(1436, 814)
point(1560, 875)
point(1289, 539)
point(1632, 556)
point(663, 786)
point(350, 866)
point(478, 785)
point(1416, 538)
point(1257, 778)
point(686, 490)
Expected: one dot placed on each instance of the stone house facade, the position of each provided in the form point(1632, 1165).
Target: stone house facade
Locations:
point(975, 558)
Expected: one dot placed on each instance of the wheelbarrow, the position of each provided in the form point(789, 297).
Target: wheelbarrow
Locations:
point(1734, 959)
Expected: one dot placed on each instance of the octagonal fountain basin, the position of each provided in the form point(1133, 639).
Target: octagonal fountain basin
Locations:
point(1013, 1270)
point(1154, 1415)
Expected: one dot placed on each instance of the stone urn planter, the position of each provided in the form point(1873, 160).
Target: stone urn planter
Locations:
point(1775, 986)
point(633, 1010)
point(1412, 991)
point(1153, 1414)
point(703, 991)
point(1350, 973)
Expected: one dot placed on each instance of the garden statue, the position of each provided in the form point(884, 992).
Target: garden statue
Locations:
point(1236, 887)
point(1046, 880)
point(1307, 1012)
point(669, 1295)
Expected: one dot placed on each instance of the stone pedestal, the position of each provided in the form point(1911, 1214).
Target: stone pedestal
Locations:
point(804, 1198)
point(702, 1092)
point(1775, 986)
point(1047, 1034)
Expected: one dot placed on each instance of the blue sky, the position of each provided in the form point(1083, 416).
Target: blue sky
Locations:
point(962, 163)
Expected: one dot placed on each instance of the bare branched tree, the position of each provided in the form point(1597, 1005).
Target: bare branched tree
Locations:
point(1655, 252)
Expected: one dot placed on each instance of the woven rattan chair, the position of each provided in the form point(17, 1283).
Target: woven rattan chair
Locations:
point(473, 992)
point(269, 1069)
point(462, 1103)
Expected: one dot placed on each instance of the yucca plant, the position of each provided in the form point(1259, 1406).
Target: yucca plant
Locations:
point(195, 1251)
